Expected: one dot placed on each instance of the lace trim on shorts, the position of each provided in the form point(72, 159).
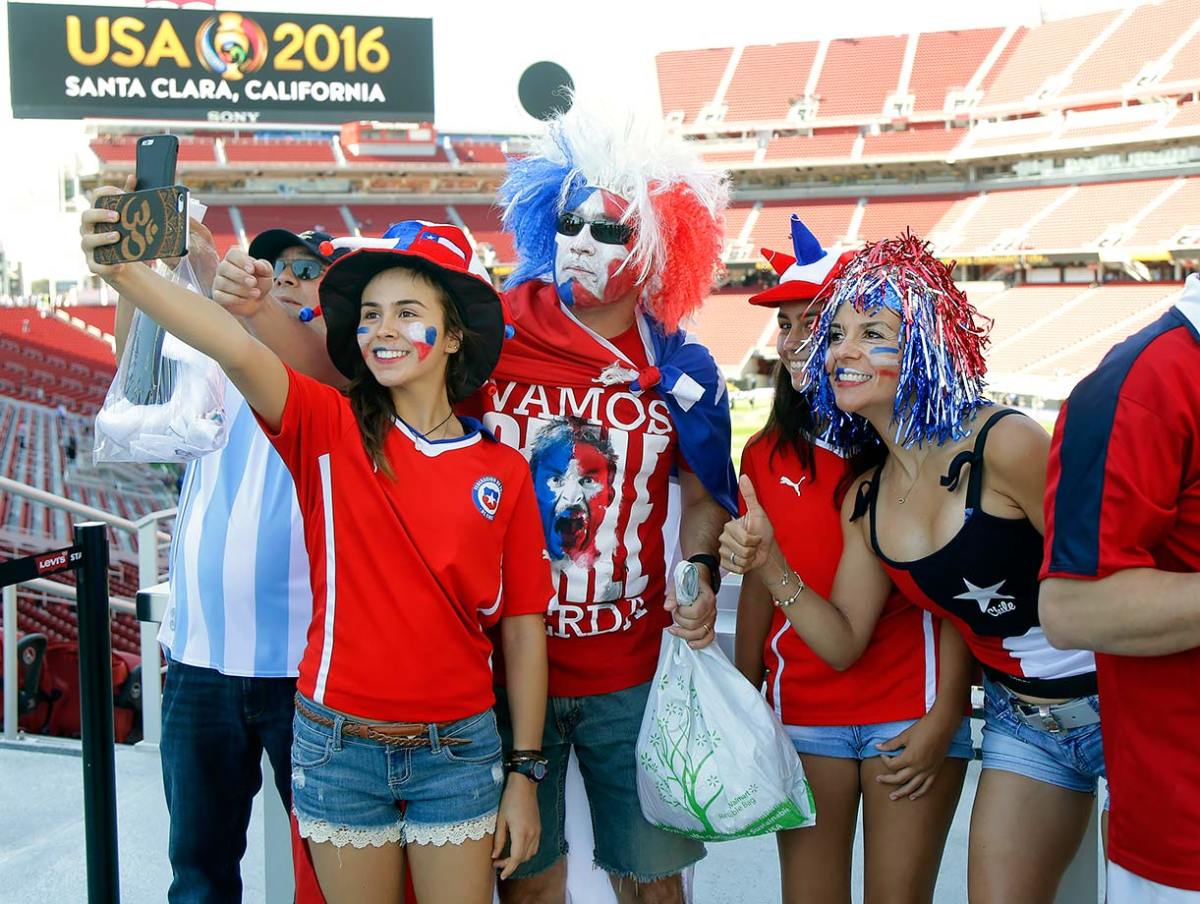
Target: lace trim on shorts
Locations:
point(320, 831)
point(451, 833)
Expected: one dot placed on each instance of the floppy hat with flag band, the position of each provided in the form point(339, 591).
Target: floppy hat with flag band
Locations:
point(440, 251)
point(804, 274)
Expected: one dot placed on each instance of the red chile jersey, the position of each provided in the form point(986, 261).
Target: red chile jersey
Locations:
point(896, 677)
point(407, 574)
point(601, 459)
point(1123, 491)
point(985, 580)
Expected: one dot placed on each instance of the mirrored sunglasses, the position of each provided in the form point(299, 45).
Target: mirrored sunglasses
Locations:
point(302, 267)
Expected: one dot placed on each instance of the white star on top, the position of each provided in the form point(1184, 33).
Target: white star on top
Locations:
point(985, 596)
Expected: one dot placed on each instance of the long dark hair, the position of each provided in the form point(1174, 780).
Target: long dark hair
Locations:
point(372, 403)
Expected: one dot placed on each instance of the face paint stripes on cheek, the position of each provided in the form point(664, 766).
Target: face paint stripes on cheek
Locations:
point(422, 337)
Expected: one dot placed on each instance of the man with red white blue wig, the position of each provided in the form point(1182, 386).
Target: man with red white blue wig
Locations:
point(618, 229)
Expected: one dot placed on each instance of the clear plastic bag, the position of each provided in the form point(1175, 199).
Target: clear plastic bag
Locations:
point(166, 402)
point(714, 763)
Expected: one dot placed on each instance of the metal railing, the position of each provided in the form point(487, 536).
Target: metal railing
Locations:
point(148, 543)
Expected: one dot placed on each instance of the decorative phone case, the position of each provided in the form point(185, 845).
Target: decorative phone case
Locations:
point(153, 225)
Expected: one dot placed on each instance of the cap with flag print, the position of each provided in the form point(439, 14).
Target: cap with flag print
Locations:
point(805, 273)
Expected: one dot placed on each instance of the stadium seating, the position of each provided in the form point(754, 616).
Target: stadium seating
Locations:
point(886, 217)
point(374, 219)
point(858, 76)
point(478, 152)
point(1144, 37)
point(278, 153)
point(929, 143)
point(732, 329)
point(828, 145)
point(296, 217)
point(1064, 331)
point(828, 218)
point(483, 221)
point(1044, 53)
point(768, 78)
point(687, 80)
point(945, 61)
point(1082, 219)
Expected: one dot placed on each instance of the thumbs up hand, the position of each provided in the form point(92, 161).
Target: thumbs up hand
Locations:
point(745, 541)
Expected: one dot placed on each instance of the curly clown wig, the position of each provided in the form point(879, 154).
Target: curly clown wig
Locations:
point(942, 339)
point(676, 204)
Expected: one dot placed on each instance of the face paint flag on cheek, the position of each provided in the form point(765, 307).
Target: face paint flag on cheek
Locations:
point(422, 337)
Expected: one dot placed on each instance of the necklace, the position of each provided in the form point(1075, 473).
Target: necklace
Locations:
point(912, 486)
point(427, 434)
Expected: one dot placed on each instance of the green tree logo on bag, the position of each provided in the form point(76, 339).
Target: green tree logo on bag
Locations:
point(713, 761)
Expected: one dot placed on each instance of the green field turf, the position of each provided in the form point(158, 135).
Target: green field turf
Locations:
point(747, 420)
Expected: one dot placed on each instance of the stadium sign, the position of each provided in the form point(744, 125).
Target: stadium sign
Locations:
point(67, 62)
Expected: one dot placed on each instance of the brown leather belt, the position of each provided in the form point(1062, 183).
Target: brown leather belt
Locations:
point(394, 734)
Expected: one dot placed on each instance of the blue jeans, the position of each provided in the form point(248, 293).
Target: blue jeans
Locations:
point(357, 791)
point(215, 729)
point(1071, 759)
point(858, 742)
point(603, 730)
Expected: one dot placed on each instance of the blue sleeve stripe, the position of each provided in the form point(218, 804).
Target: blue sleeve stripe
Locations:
point(1083, 453)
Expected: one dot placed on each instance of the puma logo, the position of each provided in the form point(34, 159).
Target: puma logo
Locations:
point(794, 484)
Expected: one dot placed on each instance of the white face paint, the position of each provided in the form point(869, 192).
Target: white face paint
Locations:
point(587, 272)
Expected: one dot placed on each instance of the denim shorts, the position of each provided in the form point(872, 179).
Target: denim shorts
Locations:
point(348, 790)
point(1071, 759)
point(858, 742)
point(603, 729)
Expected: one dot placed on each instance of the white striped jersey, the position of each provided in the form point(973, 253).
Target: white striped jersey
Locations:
point(240, 599)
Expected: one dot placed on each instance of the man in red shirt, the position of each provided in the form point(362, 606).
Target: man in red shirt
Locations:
point(618, 229)
point(1122, 577)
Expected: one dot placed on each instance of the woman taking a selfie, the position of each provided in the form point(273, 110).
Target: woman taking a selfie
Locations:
point(422, 532)
point(950, 512)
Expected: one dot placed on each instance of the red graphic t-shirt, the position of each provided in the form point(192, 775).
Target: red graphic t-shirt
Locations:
point(601, 459)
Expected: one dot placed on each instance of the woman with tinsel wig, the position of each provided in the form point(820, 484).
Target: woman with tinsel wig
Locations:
point(948, 509)
point(880, 732)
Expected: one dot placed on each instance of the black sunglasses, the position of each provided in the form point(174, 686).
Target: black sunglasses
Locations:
point(301, 266)
point(605, 233)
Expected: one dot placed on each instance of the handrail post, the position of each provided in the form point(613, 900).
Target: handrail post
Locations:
point(147, 552)
point(96, 715)
point(10, 662)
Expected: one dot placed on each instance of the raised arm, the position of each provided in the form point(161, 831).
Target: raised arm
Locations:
point(837, 629)
point(243, 287)
point(255, 370)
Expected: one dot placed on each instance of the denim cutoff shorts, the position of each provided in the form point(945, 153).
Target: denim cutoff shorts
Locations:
point(355, 791)
point(859, 742)
point(1071, 759)
point(602, 729)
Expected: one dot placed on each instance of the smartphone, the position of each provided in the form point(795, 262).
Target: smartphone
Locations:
point(156, 157)
point(153, 224)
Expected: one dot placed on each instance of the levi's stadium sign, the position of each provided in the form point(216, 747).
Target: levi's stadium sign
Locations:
point(67, 62)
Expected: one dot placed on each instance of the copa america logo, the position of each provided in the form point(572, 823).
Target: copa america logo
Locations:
point(231, 45)
point(486, 496)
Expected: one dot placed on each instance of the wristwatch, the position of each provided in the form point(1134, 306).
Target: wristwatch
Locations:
point(529, 763)
point(714, 569)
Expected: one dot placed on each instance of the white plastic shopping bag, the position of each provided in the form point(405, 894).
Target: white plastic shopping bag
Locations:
point(166, 402)
point(714, 763)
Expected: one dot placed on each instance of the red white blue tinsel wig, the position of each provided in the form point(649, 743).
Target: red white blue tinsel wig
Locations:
point(942, 338)
point(676, 204)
